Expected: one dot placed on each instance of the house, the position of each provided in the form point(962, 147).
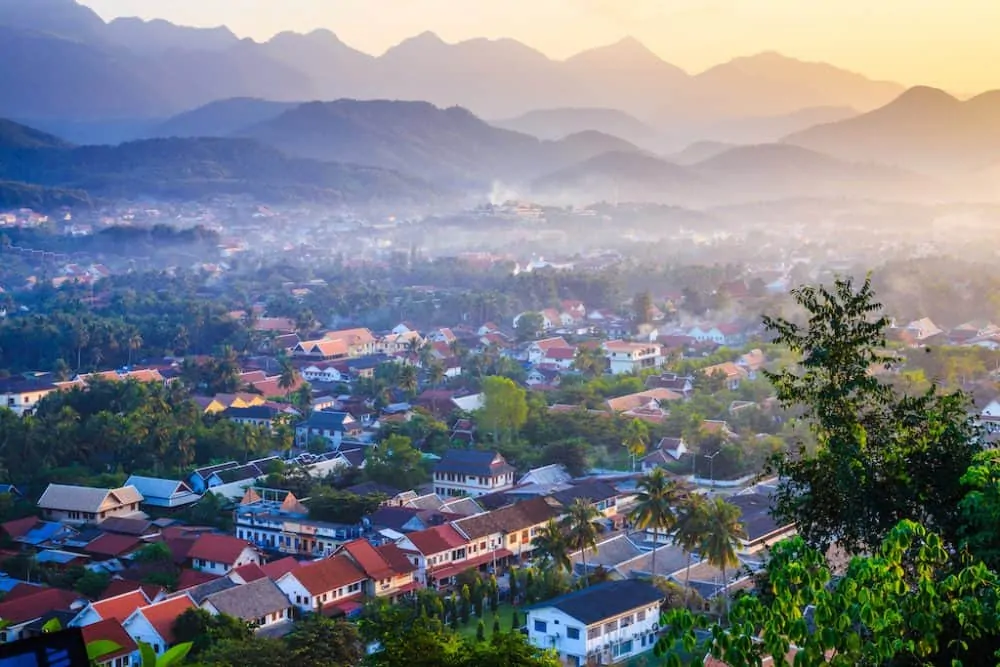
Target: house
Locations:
point(110, 545)
point(762, 530)
point(115, 607)
point(154, 624)
point(718, 427)
point(84, 504)
point(325, 586)
point(574, 309)
point(354, 342)
point(520, 522)
point(752, 362)
point(388, 570)
point(22, 396)
point(328, 373)
point(218, 554)
point(682, 385)
point(630, 557)
point(220, 402)
point(320, 349)
point(259, 602)
point(404, 328)
point(113, 632)
point(261, 416)
point(626, 357)
point(166, 493)
point(668, 450)
point(444, 335)
point(550, 319)
point(438, 554)
point(923, 329)
point(722, 334)
point(331, 426)
point(730, 373)
point(552, 474)
point(601, 495)
point(473, 473)
point(536, 351)
point(393, 496)
point(19, 609)
point(543, 378)
point(276, 521)
point(650, 399)
point(989, 417)
point(230, 479)
point(605, 623)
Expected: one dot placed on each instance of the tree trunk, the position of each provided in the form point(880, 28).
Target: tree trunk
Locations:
point(687, 580)
point(656, 543)
point(583, 555)
point(725, 593)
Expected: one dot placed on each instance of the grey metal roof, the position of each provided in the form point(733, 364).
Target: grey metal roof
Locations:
point(594, 604)
point(250, 601)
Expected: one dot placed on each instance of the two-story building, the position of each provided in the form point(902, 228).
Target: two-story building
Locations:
point(276, 521)
point(330, 426)
point(22, 396)
point(462, 472)
point(220, 554)
point(154, 624)
point(439, 554)
point(602, 624)
point(325, 586)
point(259, 602)
point(627, 357)
point(389, 571)
point(84, 504)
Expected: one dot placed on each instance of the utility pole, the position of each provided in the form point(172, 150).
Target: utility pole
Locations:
point(711, 465)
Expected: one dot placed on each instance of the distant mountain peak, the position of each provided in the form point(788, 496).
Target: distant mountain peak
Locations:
point(627, 48)
point(921, 95)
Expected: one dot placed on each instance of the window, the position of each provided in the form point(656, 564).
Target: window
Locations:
point(624, 648)
point(355, 587)
point(540, 626)
point(626, 621)
point(641, 616)
point(572, 633)
point(594, 632)
point(610, 627)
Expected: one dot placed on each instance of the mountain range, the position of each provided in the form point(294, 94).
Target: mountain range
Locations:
point(67, 64)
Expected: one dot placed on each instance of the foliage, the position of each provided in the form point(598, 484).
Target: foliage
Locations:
point(203, 629)
point(328, 504)
point(396, 463)
point(551, 546)
point(529, 326)
point(906, 604)
point(319, 641)
point(654, 505)
point(252, 652)
point(881, 458)
point(571, 453)
point(582, 526)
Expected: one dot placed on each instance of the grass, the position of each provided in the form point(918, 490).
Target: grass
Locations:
point(504, 612)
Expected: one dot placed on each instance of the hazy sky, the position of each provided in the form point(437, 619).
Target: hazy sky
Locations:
point(948, 43)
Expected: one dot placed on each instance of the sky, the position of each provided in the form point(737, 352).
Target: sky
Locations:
point(952, 44)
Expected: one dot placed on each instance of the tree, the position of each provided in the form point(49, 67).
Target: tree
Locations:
point(92, 584)
point(435, 373)
point(496, 626)
point(636, 439)
point(408, 379)
point(505, 407)
point(203, 629)
point(550, 545)
point(317, 640)
point(723, 531)
point(571, 453)
point(288, 375)
point(909, 603)
point(590, 360)
point(582, 526)
point(480, 631)
point(397, 463)
point(529, 326)
point(689, 531)
point(642, 306)
point(881, 457)
point(654, 506)
point(252, 652)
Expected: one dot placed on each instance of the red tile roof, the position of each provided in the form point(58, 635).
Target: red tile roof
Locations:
point(20, 591)
point(30, 607)
point(112, 545)
point(112, 631)
point(250, 572)
point(120, 607)
point(396, 559)
point(19, 527)
point(368, 559)
point(163, 614)
point(189, 578)
point(328, 574)
point(437, 539)
point(275, 569)
point(121, 586)
point(218, 548)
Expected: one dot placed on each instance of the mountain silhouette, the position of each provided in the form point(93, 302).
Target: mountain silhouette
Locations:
point(558, 123)
point(924, 129)
point(220, 119)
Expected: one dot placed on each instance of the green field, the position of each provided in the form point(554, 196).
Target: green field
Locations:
point(469, 629)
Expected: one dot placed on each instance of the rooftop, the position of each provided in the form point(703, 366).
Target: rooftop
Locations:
point(596, 603)
point(473, 462)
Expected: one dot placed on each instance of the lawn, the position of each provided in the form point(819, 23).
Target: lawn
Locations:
point(504, 612)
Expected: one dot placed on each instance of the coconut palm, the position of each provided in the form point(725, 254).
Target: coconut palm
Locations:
point(550, 544)
point(134, 345)
point(654, 508)
point(582, 526)
point(636, 439)
point(689, 531)
point(408, 379)
point(288, 375)
point(723, 531)
point(435, 374)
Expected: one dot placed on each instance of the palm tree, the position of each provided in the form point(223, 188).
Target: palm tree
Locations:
point(550, 543)
point(723, 531)
point(582, 526)
point(689, 531)
point(408, 379)
point(636, 439)
point(413, 348)
point(288, 375)
point(134, 345)
point(654, 506)
point(435, 374)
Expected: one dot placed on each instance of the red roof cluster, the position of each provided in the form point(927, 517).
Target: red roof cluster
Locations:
point(437, 539)
point(218, 548)
point(328, 574)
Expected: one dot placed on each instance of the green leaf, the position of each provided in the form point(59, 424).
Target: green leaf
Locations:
point(148, 655)
point(52, 625)
point(99, 647)
point(175, 655)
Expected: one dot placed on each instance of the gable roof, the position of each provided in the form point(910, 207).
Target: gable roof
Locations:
point(128, 526)
point(436, 540)
point(250, 572)
point(596, 603)
point(250, 601)
point(112, 545)
point(368, 559)
point(593, 490)
point(641, 398)
point(155, 487)
point(218, 548)
point(109, 630)
point(396, 558)
point(30, 607)
point(85, 498)
point(473, 462)
point(277, 568)
point(162, 615)
point(327, 574)
point(121, 606)
point(121, 586)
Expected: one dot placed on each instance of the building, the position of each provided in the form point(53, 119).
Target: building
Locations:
point(111, 631)
point(325, 586)
point(602, 624)
point(462, 472)
point(625, 357)
point(219, 554)
point(259, 602)
point(230, 479)
point(154, 624)
point(276, 521)
point(438, 553)
point(331, 426)
point(22, 396)
point(261, 416)
point(165, 493)
point(389, 571)
point(84, 504)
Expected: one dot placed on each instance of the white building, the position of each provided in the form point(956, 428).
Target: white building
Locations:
point(84, 504)
point(462, 472)
point(626, 357)
point(602, 624)
point(324, 585)
point(22, 396)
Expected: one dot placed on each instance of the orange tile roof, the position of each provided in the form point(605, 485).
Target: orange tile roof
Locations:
point(328, 574)
point(275, 569)
point(121, 606)
point(437, 539)
point(110, 630)
point(218, 548)
point(162, 615)
point(368, 559)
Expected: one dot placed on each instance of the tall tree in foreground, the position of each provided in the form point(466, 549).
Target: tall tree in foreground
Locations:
point(582, 524)
point(721, 538)
point(505, 408)
point(654, 506)
point(689, 531)
point(881, 458)
point(551, 546)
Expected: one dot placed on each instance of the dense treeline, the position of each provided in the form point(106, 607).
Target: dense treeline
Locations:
point(118, 240)
point(116, 428)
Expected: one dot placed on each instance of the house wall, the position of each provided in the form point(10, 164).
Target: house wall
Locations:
point(141, 630)
point(246, 557)
point(77, 517)
point(23, 403)
point(549, 627)
point(275, 617)
point(457, 484)
point(299, 596)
